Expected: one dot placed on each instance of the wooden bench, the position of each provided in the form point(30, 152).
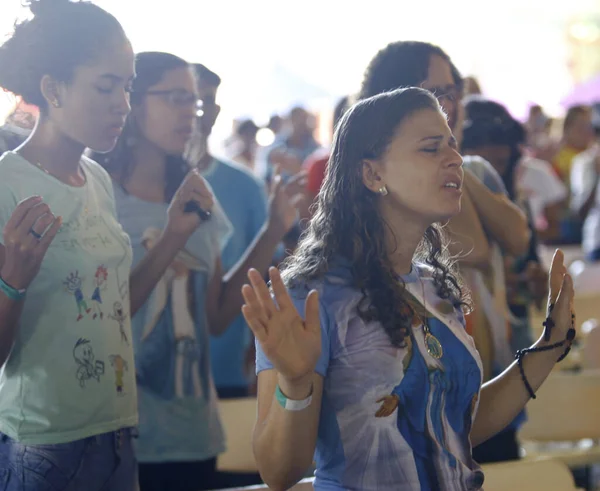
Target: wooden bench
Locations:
point(540, 475)
point(565, 413)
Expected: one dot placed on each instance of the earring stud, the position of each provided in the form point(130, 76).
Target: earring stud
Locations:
point(55, 103)
point(383, 191)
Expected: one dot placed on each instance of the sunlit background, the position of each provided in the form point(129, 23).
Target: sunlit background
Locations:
point(272, 54)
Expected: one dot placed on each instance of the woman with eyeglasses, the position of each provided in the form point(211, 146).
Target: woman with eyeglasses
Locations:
point(180, 433)
point(68, 396)
point(488, 220)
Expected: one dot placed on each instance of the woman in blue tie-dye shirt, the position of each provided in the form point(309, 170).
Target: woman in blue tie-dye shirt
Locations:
point(380, 383)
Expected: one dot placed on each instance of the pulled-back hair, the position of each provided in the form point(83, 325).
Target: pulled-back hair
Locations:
point(61, 36)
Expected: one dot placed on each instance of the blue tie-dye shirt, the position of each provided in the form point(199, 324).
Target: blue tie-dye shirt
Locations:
point(424, 443)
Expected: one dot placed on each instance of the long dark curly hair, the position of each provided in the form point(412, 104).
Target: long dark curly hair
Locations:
point(348, 224)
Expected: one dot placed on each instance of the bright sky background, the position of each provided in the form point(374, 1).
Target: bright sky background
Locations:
point(518, 53)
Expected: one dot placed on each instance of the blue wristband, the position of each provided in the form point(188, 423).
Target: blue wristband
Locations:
point(11, 292)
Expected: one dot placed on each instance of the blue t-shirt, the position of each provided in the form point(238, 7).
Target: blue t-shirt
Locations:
point(178, 411)
point(424, 444)
point(244, 201)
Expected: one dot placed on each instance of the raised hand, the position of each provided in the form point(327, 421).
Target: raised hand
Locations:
point(291, 344)
point(182, 223)
point(27, 235)
point(284, 200)
point(560, 300)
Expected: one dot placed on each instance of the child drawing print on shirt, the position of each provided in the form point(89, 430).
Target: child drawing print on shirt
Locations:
point(87, 365)
point(120, 367)
point(119, 316)
point(174, 286)
point(73, 284)
point(99, 286)
point(121, 274)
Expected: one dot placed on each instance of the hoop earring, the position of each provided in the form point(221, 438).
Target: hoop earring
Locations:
point(383, 191)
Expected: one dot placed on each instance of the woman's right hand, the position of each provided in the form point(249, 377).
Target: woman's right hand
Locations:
point(27, 236)
point(181, 224)
point(291, 344)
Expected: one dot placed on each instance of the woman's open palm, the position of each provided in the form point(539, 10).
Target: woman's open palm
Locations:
point(292, 344)
point(561, 297)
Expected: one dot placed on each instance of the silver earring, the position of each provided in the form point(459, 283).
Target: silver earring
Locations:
point(55, 103)
point(383, 191)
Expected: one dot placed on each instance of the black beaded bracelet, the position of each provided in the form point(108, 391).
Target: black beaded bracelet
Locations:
point(548, 324)
point(521, 354)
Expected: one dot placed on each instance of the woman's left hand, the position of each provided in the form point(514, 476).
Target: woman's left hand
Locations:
point(180, 223)
point(560, 300)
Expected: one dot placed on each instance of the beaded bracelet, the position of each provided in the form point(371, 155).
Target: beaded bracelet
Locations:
point(548, 324)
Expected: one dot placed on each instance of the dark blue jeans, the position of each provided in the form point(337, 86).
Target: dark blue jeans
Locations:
point(99, 463)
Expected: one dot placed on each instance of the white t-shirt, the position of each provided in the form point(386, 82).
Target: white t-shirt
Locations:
point(583, 179)
point(540, 186)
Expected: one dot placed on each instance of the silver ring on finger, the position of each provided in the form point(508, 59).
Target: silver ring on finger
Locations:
point(35, 234)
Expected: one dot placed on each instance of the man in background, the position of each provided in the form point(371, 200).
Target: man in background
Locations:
point(244, 200)
point(585, 201)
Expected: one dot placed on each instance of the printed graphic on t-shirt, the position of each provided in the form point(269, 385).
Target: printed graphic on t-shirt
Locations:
point(91, 232)
point(65, 326)
point(394, 417)
point(93, 295)
point(120, 367)
point(73, 285)
point(100, 279)
point(87, 367)
point(431, 415)
point(120, 317)
point(187, 377)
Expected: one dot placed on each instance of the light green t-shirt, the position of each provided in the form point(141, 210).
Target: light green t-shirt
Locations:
point(71, 373)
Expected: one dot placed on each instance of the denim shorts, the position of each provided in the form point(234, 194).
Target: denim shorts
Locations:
point(99, 463)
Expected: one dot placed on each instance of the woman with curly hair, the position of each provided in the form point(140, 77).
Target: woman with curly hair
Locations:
point(379, 381)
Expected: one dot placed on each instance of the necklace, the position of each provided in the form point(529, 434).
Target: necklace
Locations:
point(47, 172)
point(432, 344)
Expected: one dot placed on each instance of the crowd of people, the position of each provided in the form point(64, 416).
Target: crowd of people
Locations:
point(372, 295)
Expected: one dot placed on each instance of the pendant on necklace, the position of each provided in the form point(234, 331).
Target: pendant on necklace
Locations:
point(433, 346)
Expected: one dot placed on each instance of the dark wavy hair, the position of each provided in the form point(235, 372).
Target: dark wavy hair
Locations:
point(402, 64)
point(61, 36)
point(489, 123)
point(348, 224)
point(150, 68)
